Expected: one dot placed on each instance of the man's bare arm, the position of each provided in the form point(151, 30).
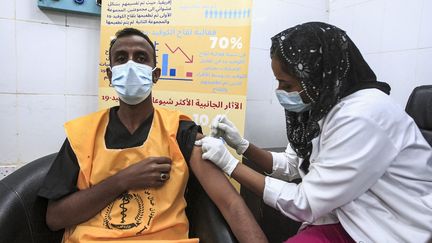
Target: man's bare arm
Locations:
point(226, 198)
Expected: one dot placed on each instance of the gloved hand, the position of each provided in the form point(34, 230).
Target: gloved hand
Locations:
point(222, 127)
point(214, 150)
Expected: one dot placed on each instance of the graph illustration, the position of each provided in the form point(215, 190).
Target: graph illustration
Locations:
point(227, 13)
point(174, 64)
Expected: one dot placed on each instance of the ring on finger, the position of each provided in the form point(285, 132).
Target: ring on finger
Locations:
point(163, 176)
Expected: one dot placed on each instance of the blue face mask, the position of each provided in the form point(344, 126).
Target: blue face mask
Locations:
point(291, 101)
point(132, 81)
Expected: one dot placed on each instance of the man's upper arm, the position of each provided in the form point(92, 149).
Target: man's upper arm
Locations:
point(62, 176)
point(212, 179)
point(186, 135)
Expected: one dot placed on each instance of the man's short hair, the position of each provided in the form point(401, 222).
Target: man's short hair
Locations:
point(129, 32)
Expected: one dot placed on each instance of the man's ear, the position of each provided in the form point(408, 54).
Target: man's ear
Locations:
point(156, 75)
point(109, 74)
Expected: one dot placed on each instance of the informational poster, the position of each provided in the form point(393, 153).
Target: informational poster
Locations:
point(202, 48)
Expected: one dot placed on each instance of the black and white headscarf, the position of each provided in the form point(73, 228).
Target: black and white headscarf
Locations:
point(329, 67)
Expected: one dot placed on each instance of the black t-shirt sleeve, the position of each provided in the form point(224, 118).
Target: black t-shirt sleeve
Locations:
point(62, 176)
point(186, 135)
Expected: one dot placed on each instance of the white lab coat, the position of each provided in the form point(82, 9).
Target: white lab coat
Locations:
point(370, 169)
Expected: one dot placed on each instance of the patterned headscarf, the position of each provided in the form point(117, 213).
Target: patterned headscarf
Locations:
point(329, 67)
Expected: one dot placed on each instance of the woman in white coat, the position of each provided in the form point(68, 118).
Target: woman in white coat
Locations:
point(366, 169)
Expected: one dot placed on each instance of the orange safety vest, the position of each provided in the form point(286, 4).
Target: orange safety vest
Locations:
point(147, 215)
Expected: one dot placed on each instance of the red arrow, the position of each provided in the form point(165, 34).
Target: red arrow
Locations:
point(190, 60)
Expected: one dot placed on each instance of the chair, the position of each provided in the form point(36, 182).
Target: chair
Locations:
point(22, 212)
point(419, 107)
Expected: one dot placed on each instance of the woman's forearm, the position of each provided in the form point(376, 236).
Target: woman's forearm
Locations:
point(260, 157)
point(249, 178)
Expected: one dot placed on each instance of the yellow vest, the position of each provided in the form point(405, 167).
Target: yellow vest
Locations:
point(148, 215)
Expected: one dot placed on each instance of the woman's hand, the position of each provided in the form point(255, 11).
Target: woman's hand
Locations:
point(222, 127)
point(214, 150)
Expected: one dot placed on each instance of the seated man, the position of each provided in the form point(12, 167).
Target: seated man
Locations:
point(121, 173)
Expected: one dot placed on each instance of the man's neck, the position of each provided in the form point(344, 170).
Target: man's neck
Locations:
point(132, 116)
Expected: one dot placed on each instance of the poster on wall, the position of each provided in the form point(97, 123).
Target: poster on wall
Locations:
point(202, 48)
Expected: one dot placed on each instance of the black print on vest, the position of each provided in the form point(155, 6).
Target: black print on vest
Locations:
point(120, 213)
point(151, 211)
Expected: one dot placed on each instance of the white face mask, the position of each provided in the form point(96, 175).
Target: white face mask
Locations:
point(132, 81)
point(291, 101)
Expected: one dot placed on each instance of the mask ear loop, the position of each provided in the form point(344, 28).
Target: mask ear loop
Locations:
point(153, 78)
point(110, 84)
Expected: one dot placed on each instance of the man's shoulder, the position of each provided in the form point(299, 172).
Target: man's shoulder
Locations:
point(87, 119)
point(165, 113)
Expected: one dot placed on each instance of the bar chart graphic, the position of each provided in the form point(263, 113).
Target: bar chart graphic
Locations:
point(174, 63)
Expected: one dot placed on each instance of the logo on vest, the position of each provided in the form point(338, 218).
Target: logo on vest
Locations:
point(128, 212)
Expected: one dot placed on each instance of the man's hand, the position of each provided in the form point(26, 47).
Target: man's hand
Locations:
point(151, 172)
point(213, 149)
point(222, 127)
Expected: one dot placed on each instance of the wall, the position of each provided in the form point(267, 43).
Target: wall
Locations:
point(49, 66)
point(265, 117)
point(48, 75)
point(395, 37)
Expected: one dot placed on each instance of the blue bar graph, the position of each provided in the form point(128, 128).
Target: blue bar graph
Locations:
point(164, 64)
point(172, 72)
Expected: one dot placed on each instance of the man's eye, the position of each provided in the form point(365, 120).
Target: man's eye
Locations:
point(120, 59)
point(141, 59)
